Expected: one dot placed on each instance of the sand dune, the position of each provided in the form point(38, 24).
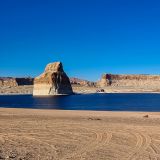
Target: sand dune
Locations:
point(78, 135)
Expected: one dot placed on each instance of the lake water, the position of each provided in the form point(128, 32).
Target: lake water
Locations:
point(98, 102)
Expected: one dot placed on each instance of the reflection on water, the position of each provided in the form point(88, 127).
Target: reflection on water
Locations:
point(114, 102)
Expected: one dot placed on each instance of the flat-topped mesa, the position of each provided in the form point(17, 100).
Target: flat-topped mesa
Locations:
point(53, 81)
point(137, 80)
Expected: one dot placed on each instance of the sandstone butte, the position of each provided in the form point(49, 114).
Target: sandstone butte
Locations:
point(54, 81)
point(140, 80)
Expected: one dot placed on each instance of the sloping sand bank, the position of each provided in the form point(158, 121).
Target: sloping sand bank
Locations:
point(78, 135)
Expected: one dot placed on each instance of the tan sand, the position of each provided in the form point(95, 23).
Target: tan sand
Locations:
point(78, 135)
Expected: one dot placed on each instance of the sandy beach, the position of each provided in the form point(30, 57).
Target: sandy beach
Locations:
point(78, 135)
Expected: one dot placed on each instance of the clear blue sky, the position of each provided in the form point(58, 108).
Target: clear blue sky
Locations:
point(90, 37)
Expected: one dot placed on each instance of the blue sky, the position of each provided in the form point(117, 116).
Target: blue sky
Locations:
point(90, 37)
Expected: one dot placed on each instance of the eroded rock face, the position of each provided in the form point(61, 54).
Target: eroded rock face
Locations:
point(106, 80)
point(14, 82)
point(81, 82)
point(53, 81)
point(8, 82)
point(130, 80)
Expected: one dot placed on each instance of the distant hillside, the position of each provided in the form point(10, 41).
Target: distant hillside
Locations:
point(13, 82)
point(81, 82)
point(137, 80)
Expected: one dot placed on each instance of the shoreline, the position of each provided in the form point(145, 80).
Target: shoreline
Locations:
point(83, 111)
point(16, 94)
point(77, 113)
point(28, 90)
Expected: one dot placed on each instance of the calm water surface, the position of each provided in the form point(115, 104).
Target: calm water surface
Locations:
point(107, 102)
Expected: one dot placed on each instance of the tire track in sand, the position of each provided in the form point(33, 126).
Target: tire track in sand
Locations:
point(102, 138)
point(152, 153)
point(155, 149)
point(11, 137)
point(143, 142)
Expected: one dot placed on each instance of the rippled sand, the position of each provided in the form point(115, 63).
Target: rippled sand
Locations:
point(78, 135)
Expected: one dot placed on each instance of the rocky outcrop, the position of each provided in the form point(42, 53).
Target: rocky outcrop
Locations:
point(81, 82)
point(129, 80)
point(14, 82)
point(53, 81)
point(106, 80)
point(8, 82)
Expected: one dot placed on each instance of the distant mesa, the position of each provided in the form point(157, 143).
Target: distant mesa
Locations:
point(126, 80)
point(81, 82)
point(54, 81)
point(14, 82)
point(106, 80)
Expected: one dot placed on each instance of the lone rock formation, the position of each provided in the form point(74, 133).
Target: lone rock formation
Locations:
point(53, 81)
